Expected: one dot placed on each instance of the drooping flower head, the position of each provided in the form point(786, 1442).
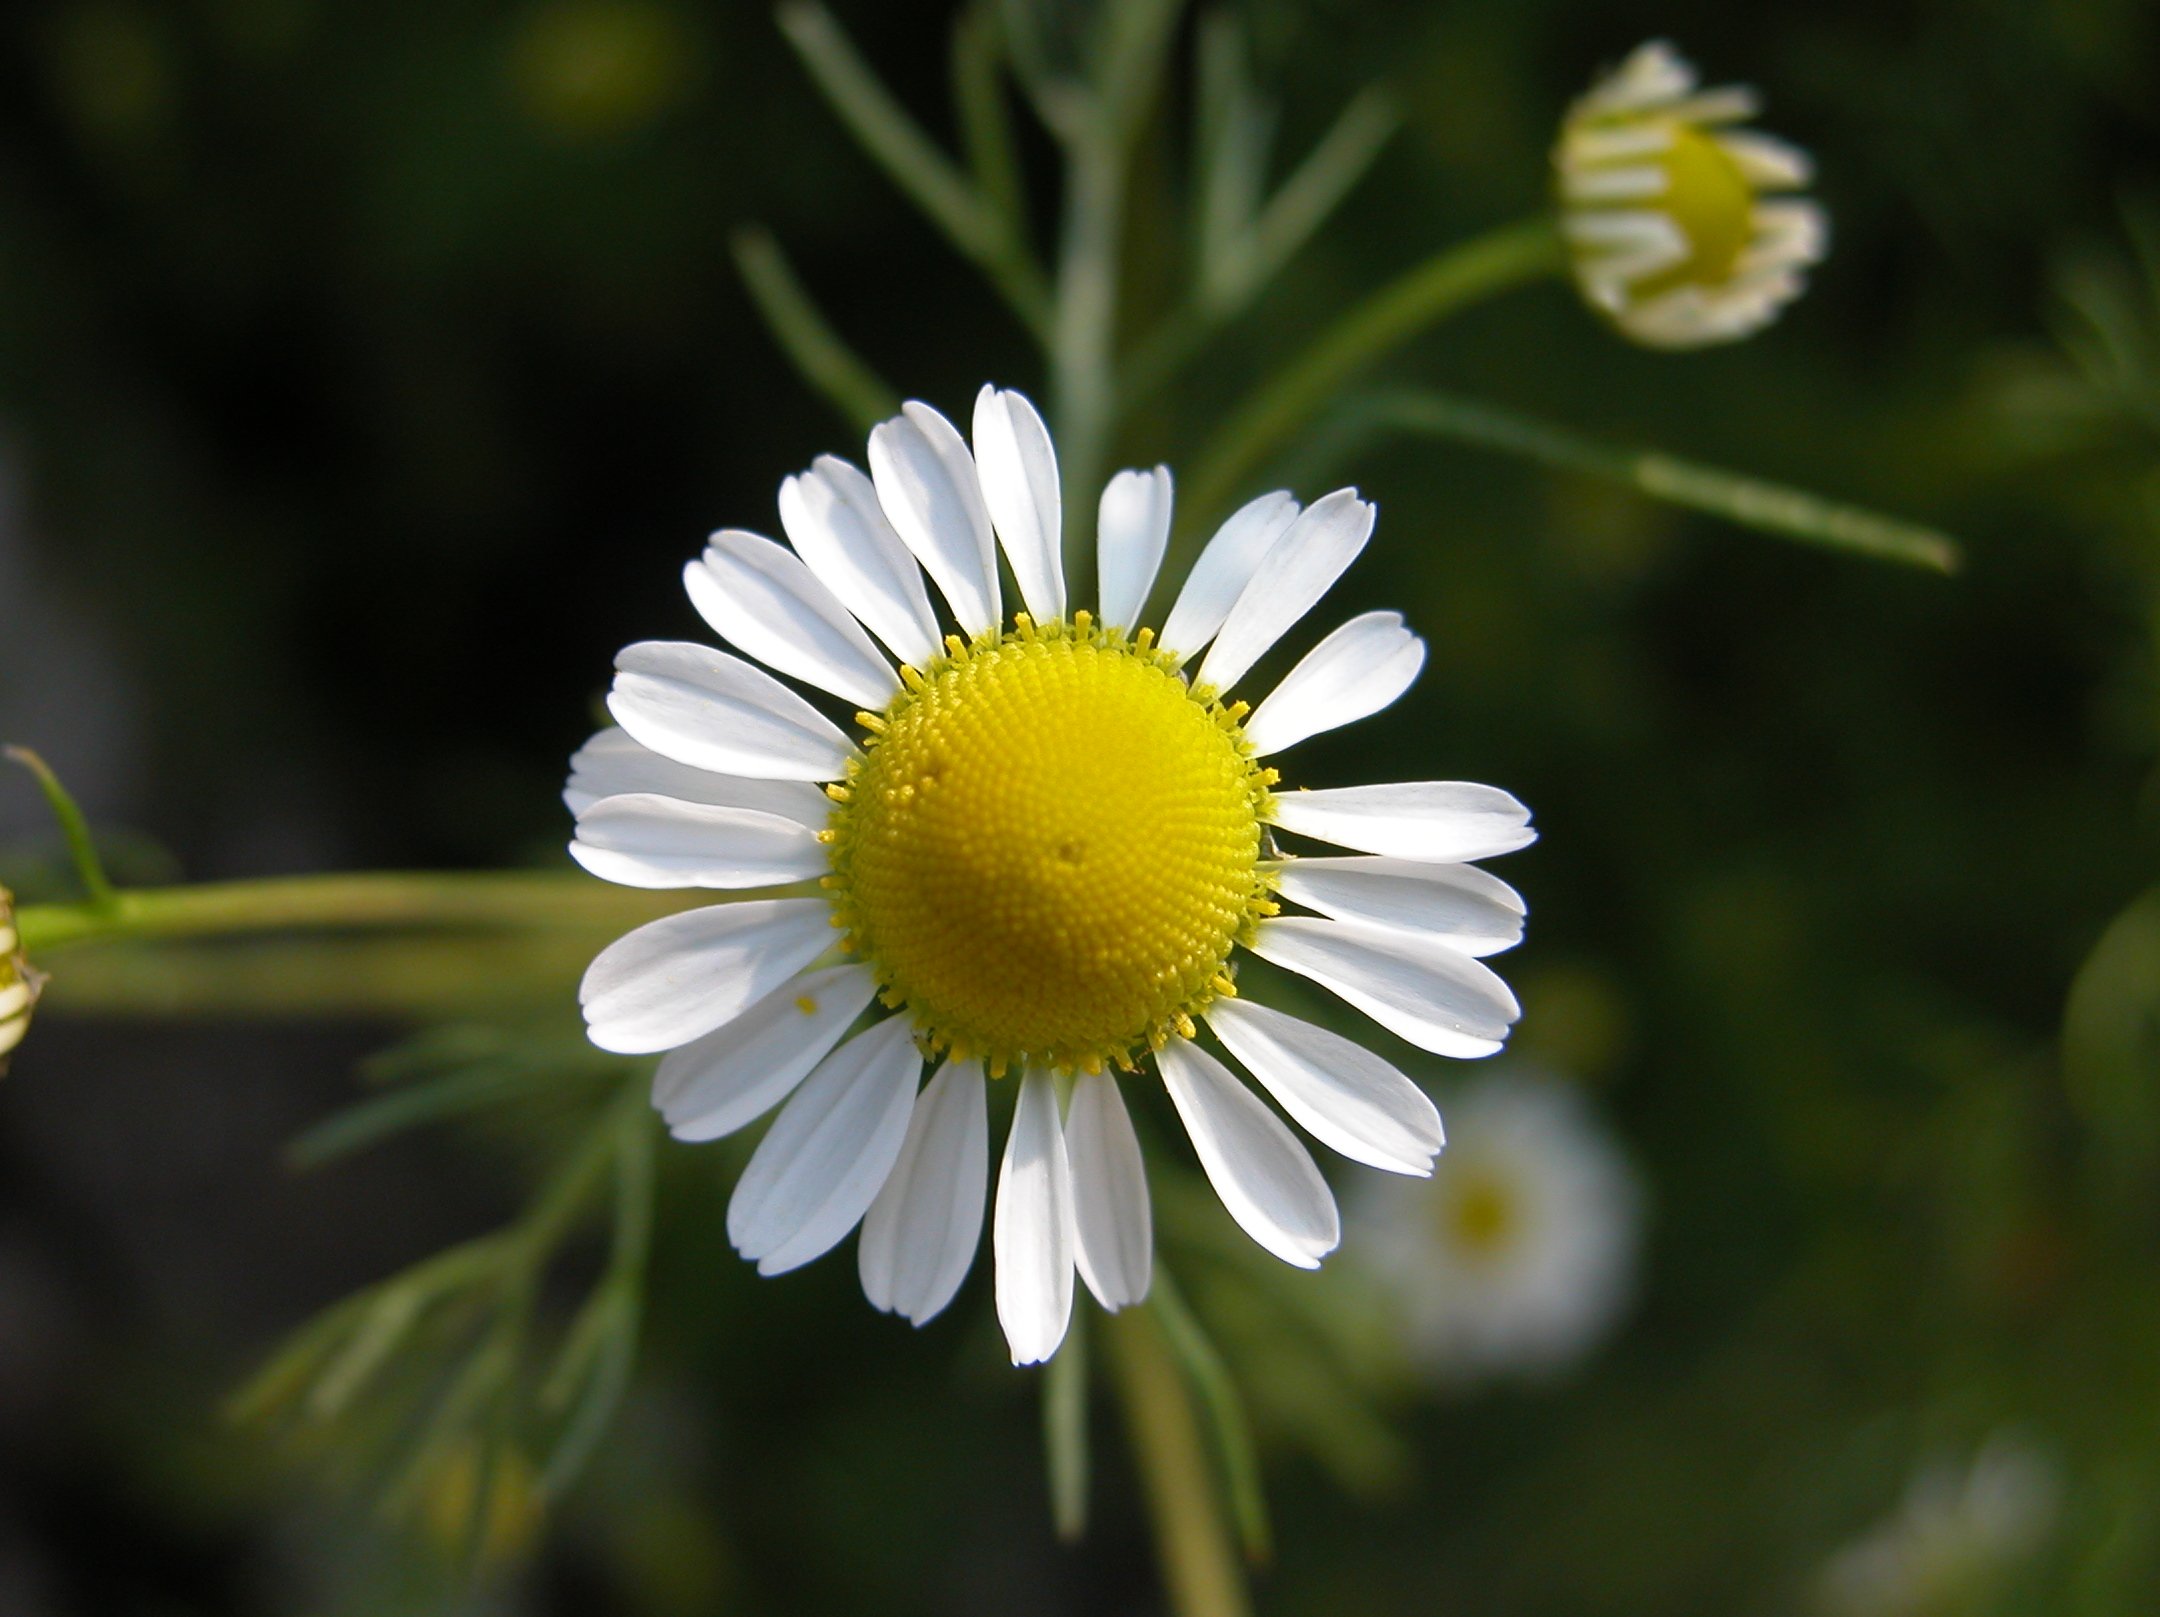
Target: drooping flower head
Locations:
point(1681, 226)
point(1516, 1256)
point(1037, 859)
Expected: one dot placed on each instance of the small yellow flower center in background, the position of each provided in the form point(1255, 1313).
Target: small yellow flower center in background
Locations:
point(1710, 199)
point(1050, 848)
point(1481, 1216)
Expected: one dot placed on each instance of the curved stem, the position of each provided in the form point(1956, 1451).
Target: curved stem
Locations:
point(1441, 286)
point(1200, 1563)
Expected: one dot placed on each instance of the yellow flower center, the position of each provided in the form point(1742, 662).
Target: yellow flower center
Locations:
point(1710, 199)
point(1050, 847)
point(1481, 1215)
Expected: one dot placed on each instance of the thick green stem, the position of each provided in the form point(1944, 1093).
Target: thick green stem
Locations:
point(1199, 1559)
point(1441, 286)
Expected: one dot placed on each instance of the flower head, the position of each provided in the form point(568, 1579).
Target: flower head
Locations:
point(1038, 859)
point(1516, 1255)
point(1676, 219)
point(19, 985)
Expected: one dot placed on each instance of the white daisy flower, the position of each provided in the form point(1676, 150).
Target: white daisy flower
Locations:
point(1035, 863)
point(1518, 1253)
point(19, 985)
point(1678, 222)
point(1947, 1547)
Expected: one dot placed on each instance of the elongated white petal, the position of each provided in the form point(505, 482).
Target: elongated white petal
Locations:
point(926, 482)
point(647, 841)
point(1019, 475)
point(762, 599)
point(1113, 1227)
point(836, 525)
point(684, 975)
point(1459, 905)
point(1225, 567)
point(1352, 674)
point(735, 1074)
point(1432, 821)
point(614, 764)
point(704, 708)
point(1264, 1177)
point(829, 1151)
point(1338, 1091)
point(1132, 529)
point(1297, 570)
point(1435, 996)
point(919, 1236)
point(1033, 1237)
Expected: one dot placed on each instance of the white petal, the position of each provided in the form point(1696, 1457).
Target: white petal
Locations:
point(613, 764)
point(1132, 529)
point(829, 1151)
point(642, 840)
point(1342, 1094)
point(683, 975)
point(919, 1236)
point(1033, 1236)
point(927, 484)
point(1433, 821)
point(1436, 997)
point(835, 523)
point(1225, 567)
point(1292, 576)
point(759, 597)
point(1019, 475)
point(1264, 1177)
point(741, 1070)
point(1458, 905)
point(706, 709)
point(1351, 675)
point(1113, 1230)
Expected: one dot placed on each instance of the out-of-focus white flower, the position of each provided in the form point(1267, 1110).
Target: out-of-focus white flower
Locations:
point(1948, 1544)
point(1677, 221)
point(1054, 835)
point(1517, 1254)
point(19, 985)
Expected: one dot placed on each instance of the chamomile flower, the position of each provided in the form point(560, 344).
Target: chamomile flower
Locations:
point(1682, 227)
point(19, 985)
point(1517, 1254)
point(1034, 862)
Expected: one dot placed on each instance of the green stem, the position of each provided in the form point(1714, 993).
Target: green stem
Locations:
point(1082, 339)
point(82, 848)
point(821, 355)
point(1443, 285)
point(1200, 1563)
point(368, 900)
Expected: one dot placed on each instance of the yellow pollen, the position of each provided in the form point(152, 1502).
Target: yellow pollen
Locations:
point(806, 1005)
point(1050, 848)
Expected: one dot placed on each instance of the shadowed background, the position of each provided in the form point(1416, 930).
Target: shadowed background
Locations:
point(367, 374)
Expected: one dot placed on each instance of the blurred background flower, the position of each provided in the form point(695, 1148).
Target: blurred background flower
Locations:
point(1519, 1253)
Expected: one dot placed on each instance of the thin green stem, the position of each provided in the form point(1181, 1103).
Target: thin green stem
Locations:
point(1200, 1562)
point(89, 868)
point(821, 355)
point(936, 184)
point(1749, 502)
point(1083, 387)
point(369, 900)
point(1443, 285)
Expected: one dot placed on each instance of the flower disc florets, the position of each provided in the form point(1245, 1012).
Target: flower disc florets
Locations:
point(1050, 847)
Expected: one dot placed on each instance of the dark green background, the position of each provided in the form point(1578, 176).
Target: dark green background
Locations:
point(366, 373)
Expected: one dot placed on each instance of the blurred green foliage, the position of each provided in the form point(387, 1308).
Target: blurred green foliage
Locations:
point(371, 371)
